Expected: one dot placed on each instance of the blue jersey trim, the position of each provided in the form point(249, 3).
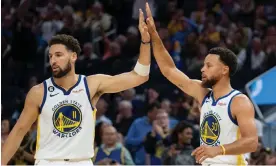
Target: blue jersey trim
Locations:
point(62, 89)
point(229, 110)
point(206, 96)
point(44, 96)
point(87, 92)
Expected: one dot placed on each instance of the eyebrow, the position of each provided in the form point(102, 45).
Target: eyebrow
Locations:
point(57, 52)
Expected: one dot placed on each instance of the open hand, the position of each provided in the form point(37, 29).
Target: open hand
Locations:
point(145, 36)
point(150, 21)
point(203, 152)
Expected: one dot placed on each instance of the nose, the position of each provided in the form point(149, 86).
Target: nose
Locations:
point(53, 60)
point(202, 69)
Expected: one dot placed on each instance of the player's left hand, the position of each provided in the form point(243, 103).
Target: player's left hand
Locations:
point(203, 152)
point(145, 36)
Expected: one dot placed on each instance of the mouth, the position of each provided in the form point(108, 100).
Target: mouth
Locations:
point(55, 68)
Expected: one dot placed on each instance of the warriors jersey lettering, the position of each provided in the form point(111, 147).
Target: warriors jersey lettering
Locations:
point(218, 127)
point(66, 122)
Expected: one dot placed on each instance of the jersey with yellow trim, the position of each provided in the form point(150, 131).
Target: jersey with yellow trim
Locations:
point(66, 122)
point(218, 127)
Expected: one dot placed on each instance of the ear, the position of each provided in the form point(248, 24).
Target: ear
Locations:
point(74, 56)
point(225, 70)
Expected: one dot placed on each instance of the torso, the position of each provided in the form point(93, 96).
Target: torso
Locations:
point(218, 127)
point(66, 122)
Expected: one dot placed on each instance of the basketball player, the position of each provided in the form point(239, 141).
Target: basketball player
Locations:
point(227, 117)
point(64, 104)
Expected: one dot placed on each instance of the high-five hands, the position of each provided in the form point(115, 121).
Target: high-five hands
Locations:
point(150, 21)
point(145, 36)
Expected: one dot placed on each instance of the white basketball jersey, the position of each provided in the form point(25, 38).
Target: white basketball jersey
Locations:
point(218, 127)
point(66, 122)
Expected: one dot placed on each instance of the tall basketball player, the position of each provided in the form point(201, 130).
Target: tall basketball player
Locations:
point(227, 117)
point(64, 104)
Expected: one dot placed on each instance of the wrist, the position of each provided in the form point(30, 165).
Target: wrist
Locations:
point(142, 70)
point(221, 150)
point(145, 41)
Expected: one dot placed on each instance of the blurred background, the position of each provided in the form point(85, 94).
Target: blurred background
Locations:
point(154, 123)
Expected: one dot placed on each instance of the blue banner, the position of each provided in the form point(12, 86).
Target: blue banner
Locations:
point(263, 88)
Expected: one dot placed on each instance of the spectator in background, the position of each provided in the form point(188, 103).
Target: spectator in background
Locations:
point(111, 151)
point(158, 139)
point(166, 105)
point(5, 128)
point(98, 133)
point(25, 153)
point(179, 153)
point(102, 107)
point(138, 131)
point(124, 117)
point(262, 156)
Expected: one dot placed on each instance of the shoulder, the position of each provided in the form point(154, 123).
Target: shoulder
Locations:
point(36, 93)
point(139, 120)
point(241, 102)
point(37, 90)
point(96, 77)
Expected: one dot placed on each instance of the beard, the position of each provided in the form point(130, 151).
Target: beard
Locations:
point(62, 72)
point(209, 83)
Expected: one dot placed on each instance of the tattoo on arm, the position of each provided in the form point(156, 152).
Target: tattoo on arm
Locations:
point(180, 85)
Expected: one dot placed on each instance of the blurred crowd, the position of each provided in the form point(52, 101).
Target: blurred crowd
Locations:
point(154, 123)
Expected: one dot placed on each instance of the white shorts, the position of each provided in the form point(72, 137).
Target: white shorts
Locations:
point(64, 162)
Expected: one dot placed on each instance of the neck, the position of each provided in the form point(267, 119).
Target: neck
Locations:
point(110, 145)
point(67, 81)
point(221, 88)
point(128, 115)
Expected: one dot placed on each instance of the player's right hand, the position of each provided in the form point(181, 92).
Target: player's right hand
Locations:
point(150, 21)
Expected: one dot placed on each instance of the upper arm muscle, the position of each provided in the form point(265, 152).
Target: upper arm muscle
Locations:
point(243, 110)
point(187, 85)
point(31, 109)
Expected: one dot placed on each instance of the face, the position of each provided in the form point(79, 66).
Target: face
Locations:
point(125, 110)
point(166, 105)
point(101, 107)
point(109, 135)
point(61, 60)
point(212, 71)
point(5, 127)
point(162, 119)
point(152, 94)
point(152, 114)
point(186, 136)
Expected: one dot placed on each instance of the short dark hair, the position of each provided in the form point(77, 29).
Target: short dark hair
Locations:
point(180, 127)
point(227, 57)
point(68, 41)
point(150, 107)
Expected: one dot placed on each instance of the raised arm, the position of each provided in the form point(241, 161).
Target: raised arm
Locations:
point(167, 66)
point(24, 123)
point(139, 75)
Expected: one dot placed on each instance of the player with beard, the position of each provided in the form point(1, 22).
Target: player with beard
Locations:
point(227, 127)
point(64, 104)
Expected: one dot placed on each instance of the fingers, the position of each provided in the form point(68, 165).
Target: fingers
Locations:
point(196, 150)
point(202, 159)
point(141, 17)
point(148, 11)
point(145, 28)
point(199, 155)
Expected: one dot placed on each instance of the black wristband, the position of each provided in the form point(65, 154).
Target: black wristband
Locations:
point(145, 42)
